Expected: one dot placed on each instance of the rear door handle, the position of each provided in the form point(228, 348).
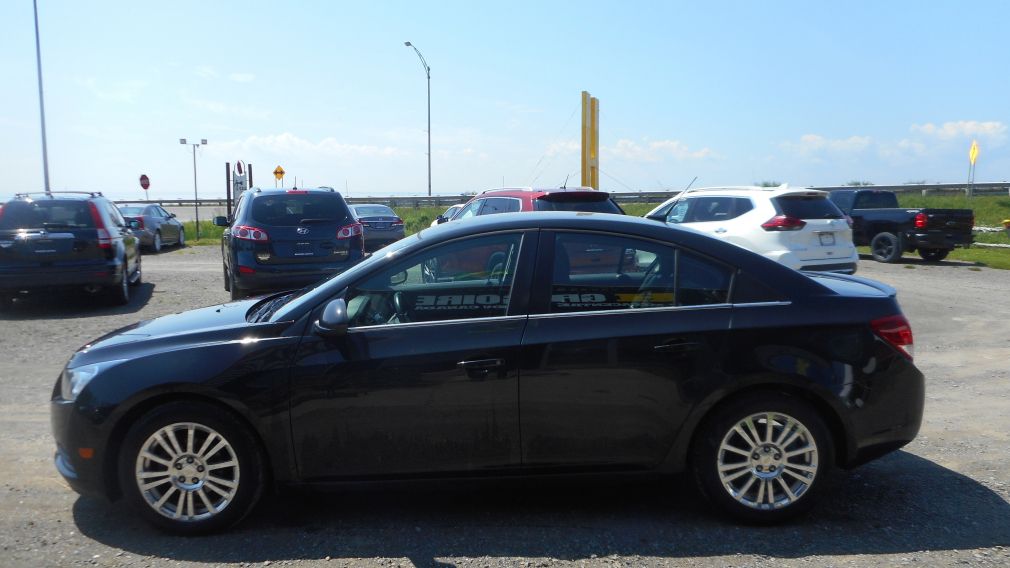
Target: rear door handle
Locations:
point(481, 364)
point(720, 231)
point(678, 347)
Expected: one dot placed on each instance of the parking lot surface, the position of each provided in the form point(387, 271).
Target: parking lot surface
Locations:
point(944, 500)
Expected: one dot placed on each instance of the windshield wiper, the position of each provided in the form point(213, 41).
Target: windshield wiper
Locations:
point(268, 308)
point(308, 221)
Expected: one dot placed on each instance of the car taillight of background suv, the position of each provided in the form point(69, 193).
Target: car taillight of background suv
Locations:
point(283, 239)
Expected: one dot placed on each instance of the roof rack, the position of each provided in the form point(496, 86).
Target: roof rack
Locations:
point(733, 188)
point(51, 193)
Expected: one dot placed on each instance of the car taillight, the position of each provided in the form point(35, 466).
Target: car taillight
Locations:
point(297, 191)
point(1, 211)
point(973, 220)
point(398, 222)
point(140, 222)
point(348, 231)
point(783, 223)
point(248, 233)
point(896, 331)
point(104, 238)
point(848, 220)
point(921, 220)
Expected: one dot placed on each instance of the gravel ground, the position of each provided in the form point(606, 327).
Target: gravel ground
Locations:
point(943, 501)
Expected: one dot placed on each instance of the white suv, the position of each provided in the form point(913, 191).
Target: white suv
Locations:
point(800, 228)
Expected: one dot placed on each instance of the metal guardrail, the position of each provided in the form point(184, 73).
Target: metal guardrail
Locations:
point(995, 188)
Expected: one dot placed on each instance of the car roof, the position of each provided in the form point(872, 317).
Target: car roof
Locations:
point(538, 191)
point(775, 191)
point(369, 205)
point(280, 191)
point(64, 195)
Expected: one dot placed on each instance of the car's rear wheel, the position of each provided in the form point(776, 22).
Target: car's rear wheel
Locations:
point(933, 255)
point(236, 292)
point(182, 238)
point(227, 279)
point(119, 293)
point(886, 247)
point(191, 468)
point(138, 277)
point(6, 302)
point(763, 459)
point(156, 243)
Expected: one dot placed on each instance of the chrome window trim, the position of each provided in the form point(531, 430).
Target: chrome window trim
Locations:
point(365, 328)
point(633, 311)
point(762, 304)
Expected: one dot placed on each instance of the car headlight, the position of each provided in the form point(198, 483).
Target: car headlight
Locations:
point(73, 381)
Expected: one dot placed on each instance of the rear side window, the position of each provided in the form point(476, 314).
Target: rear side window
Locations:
point(48, 214)
point(807, 207)
point(875, 200)
point(591, 202)
point(493, 205)
point(295, 208)
point(718, 208)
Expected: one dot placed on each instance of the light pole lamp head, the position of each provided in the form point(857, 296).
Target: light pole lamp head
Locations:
point(203, 141)
point(408, 44)
point(182, 141)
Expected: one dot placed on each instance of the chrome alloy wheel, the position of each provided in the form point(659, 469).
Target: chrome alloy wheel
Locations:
point(767, 461)
point(187, 472)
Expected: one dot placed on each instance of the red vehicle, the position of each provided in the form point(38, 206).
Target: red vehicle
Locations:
point(514, 200)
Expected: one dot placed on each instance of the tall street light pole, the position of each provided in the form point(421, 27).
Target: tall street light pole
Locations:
point(427, 72)
point(42, 106)
point(196, 195)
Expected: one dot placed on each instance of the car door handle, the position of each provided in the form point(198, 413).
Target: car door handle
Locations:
point(720, 230)
point(678, 347)
point(481, 364)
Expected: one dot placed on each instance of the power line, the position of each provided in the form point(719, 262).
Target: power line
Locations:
point(628, 187)
point(557, 138)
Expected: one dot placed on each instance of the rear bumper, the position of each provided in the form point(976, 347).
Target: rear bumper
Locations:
point(271, 277)
point(937, 240)
point(58, 277)
point(377, 239)
point(840, 264)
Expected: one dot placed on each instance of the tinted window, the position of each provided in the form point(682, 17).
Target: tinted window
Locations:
point(843, 199)
point(701, 281)
point(55, 213)
point(585, 201)
point(493, 205)
point(291, 208)
point(717, 208)
point(876, 200)
point(807, 207)
point(114, 215)
point(460, 280)
point(373, 211)
point(747, 289)
point(131, 210)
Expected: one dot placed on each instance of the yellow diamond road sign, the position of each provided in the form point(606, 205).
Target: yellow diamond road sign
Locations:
point(973, 152)
point(279, 173)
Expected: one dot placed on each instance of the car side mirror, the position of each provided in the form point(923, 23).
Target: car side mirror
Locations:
point(219, 221)
point(171, 215)
point(333, 321)
point(134, 224)
point(657, 217)
point(441, 219)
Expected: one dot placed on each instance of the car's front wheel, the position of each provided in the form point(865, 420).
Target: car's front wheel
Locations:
point(191, 468)
point(182, 238)
point(763, 458)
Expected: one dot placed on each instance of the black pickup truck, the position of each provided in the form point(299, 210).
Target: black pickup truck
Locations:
point(890, 230)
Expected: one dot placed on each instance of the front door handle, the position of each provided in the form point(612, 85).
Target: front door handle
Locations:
point(481, 364)
point(720, 231)
point(678, 347)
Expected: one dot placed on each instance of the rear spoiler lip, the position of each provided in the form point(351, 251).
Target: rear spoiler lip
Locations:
point(885, 288)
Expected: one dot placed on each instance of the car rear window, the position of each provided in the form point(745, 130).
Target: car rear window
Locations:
point(589, 201)
point(876, 200)
point(48, 214)
point(293, 208)
point(373, 210)
point(807, 207)
point(131, 210)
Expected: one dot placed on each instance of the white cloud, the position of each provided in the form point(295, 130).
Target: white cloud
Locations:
point(993, 129)
point(904, 148)
point(654, 151)
point(207, 72)
point(217, 107)
point(564, 148)
point(288, 144)
point(816, 148)
point(242, 77)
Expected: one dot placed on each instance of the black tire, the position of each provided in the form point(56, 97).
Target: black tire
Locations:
point(182, 238)
point(236, 292)
point(156, 242)
point(933, 255)
point(886, 247)
point(229, 479)
point(6, 302)
point(738, 482)
point(227, 279)
point(138, 279)
point(119, 293)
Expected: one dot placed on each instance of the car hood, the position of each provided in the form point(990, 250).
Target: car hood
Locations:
point(224, 322)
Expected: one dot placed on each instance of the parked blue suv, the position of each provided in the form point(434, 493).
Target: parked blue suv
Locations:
point(282, 239)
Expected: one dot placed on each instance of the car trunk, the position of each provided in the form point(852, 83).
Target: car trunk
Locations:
point(48, 234)
point(826, 234)
point(378, 222)
point(302, 228)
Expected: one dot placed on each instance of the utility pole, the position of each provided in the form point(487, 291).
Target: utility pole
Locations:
point(42, 105)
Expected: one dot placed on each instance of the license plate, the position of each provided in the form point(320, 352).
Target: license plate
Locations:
point(381, 226)
point(827, 239)
point(303, 249)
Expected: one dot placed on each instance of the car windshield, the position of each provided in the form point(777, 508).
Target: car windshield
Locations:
point(131, 210)
point(316, 293)
point(46, 214)
point(290, 209)
point(373, 211)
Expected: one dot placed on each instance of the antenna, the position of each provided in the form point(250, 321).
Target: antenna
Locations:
point(690, 184)
point(565, 185)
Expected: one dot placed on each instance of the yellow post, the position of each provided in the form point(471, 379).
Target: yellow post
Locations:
point(590, 141)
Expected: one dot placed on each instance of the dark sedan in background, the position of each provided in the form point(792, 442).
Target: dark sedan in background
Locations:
point(155, 226)
point(381, 225)
point(676, 352)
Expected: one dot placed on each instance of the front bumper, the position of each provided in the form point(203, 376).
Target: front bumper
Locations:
point(74, 437)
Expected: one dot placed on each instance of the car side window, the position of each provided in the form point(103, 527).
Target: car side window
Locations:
point(458, 280)
point(711, 209)
point(678, 212)
point(493, 205)
point(115, 215)
point(470, 210)
point(603, 272)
